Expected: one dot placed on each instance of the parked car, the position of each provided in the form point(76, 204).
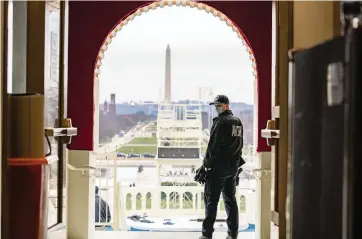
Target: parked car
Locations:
point(148, 155)
point(134, 156)
point(121, 155)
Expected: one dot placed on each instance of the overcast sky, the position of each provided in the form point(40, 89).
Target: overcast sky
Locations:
point(205, 52)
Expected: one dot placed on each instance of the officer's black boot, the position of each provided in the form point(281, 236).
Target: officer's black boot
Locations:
point(231, 208)
point(205, 237)
point(230, 237)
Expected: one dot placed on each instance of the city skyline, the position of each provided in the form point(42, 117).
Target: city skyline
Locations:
point(134, 64)
point(108, 100)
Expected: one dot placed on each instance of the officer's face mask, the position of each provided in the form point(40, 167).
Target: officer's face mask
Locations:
point(219, 109)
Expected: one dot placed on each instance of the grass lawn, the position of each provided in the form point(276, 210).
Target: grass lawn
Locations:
point(138, 149)
point(145, 140)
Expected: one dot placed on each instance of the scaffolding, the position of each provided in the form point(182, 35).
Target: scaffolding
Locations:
point(179, 140)
point(179, 131)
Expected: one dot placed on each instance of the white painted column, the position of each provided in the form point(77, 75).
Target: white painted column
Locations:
point(143, 201)
point(81, 197)
point(122, 208)
point(158, 172)
point(263, 197)
point(134, 201)
point(156, 199)
point(156, 196)
point(181, 197)
point(116, 194)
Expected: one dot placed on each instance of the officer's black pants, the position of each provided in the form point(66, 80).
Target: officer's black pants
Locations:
point(213, 188)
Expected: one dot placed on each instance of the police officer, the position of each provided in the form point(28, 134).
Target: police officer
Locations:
point(101, 209)
point(222, 161)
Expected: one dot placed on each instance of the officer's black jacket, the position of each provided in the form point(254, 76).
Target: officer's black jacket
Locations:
point(226, 143)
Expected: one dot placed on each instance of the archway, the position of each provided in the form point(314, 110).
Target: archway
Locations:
point(197, 21)
point(261, 19)
point(91, 22)
point(159, 4)
point(119, 59)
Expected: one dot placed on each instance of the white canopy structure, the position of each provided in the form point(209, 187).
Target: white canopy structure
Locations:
point(179, 139)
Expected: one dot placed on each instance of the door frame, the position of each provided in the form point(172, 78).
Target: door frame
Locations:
point(62, 153)
point(287, 37)
point(36, 26)
point(37, 73)
point(282, 42)
point(3, 118)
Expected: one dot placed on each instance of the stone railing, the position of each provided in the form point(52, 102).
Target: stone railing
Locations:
point(175, 198)
point(158, 201)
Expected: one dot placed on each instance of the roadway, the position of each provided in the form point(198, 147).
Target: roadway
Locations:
point(139, 130)
point(141, 145)
point(126, 163)
point(117, 141)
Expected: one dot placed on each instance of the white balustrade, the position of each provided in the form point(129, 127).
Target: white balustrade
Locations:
point(159, 201)
point(175, 200)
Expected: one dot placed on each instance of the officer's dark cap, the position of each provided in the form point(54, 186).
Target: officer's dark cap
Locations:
point(220, 99)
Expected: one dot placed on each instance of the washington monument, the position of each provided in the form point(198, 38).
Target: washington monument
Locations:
point(167, 99)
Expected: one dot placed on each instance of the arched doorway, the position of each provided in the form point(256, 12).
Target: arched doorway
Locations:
point(91, 22)
point(151, 6)
point(84, 45)
point(217, 52)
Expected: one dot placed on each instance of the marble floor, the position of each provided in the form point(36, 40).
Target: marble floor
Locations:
point(160, 235)
point(164, 235)
point(174, 235)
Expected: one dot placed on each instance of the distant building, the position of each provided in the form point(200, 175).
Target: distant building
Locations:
point(104, 110)
point(112, 105)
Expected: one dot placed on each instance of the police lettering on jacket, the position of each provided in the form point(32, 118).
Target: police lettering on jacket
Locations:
point(226, 141)
point(236, 131)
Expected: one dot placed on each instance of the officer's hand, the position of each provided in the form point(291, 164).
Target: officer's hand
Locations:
point(207, 163)
point(201, 175)
point(199, 169)
point(198, 174)
point(197, 177)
